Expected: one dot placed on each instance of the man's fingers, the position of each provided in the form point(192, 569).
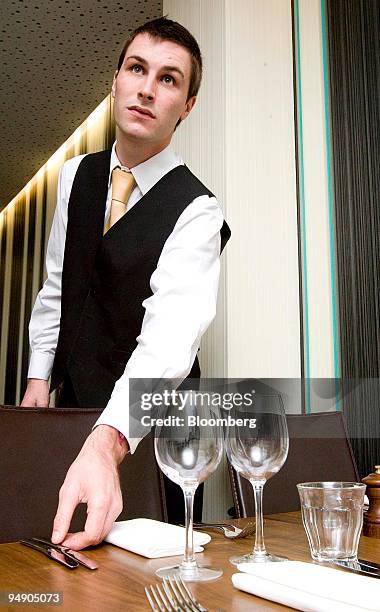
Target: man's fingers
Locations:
point(29, 401)
point(111, 518)
point(36, 394)
point(93, 529)
point(98, 524)
point(25, 403)
point(68, 501)
point(76, 541)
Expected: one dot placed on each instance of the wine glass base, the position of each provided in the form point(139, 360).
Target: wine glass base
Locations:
point(251, 558)
point(200, 573)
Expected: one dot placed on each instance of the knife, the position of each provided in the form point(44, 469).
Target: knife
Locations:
point(52, 553)
point(73, 554)
point(370, 564)
point(358, 567)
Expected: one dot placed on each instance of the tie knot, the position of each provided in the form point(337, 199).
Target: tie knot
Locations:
point(122, 184)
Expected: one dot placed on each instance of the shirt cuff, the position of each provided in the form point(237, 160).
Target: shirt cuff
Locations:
point(116, 415)
point(41, 365)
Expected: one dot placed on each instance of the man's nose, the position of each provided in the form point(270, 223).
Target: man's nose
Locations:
point(147, 90)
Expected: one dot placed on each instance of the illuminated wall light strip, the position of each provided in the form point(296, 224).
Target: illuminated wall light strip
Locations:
point(88, 124)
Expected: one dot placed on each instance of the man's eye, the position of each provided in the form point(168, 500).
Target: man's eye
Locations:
point(167, 78)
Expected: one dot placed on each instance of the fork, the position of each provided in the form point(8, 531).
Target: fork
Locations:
point(177, 597)
point(229, 531)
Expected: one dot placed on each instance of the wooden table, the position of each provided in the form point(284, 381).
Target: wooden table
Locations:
point(118, 584)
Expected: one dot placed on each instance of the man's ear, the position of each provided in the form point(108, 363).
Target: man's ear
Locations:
point(113, 89)
point(189, 106)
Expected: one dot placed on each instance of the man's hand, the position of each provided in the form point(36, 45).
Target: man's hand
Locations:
point(92, 479)
point(36, 394)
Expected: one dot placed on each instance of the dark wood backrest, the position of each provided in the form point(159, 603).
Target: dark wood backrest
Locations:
point(37, 447)
point(319, 450)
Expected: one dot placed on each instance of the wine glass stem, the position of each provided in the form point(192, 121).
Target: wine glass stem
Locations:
point(259, 548)
point(189, 558)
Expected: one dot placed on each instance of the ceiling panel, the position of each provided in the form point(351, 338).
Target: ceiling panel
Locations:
point(57, 63)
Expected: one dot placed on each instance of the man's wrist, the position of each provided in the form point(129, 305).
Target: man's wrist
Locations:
point(37, 383)
point(109, 440)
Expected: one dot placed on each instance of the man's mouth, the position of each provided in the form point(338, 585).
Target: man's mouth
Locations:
point(140, 111)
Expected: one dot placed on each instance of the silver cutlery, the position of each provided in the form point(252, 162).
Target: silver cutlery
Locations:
point(358, 567)
point(370, 564)
point(156, 598)
point(74, 554)
point(229, 531)
point(52, 553)
point(173, 596)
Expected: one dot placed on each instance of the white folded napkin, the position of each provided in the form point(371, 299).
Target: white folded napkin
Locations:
point(153, 539)
point(309, 587)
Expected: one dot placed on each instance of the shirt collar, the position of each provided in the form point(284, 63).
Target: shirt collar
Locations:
point(149, 172)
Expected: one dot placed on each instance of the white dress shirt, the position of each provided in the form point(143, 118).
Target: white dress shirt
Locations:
point(184, 287)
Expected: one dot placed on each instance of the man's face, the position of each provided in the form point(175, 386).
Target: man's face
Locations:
point(150, 90)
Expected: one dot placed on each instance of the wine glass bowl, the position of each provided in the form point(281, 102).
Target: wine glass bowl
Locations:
point(186, 463)
point(257, 453)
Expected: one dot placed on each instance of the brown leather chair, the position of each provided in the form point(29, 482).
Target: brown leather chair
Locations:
point(319, 450)
point(37, 447)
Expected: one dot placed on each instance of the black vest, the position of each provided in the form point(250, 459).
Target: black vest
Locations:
point(106, 278)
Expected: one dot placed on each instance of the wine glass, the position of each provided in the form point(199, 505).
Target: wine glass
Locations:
point(188, 447)
point(257, 446)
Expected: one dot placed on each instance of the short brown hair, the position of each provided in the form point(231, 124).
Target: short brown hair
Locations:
point(166, 29)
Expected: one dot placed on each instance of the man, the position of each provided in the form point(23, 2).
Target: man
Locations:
point(127, 295)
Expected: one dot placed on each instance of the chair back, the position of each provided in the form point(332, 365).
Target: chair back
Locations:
point(319, 450)
point(37, 446)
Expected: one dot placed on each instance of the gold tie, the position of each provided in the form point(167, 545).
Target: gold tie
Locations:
point(122, 185)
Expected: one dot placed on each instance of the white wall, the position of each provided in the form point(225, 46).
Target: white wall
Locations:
point(263, 326)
